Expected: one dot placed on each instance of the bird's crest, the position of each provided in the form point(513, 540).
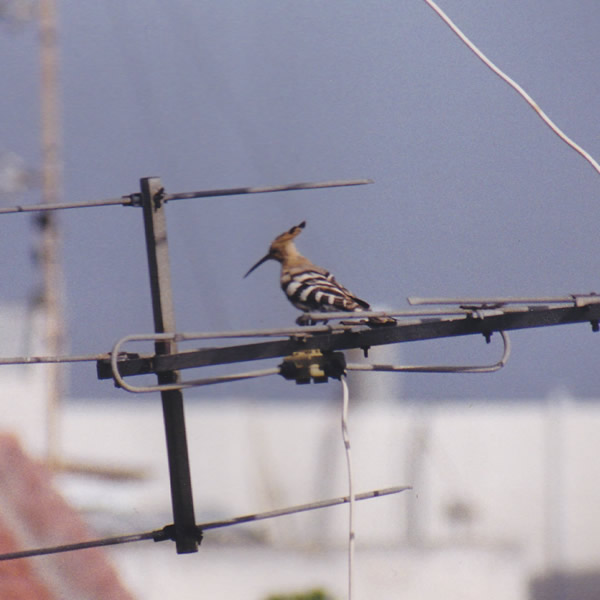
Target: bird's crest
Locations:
point(289, 235)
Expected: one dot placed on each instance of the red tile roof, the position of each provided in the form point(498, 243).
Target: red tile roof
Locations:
point(33, 514)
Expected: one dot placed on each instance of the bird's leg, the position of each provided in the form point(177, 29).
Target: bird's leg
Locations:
point(303, 320)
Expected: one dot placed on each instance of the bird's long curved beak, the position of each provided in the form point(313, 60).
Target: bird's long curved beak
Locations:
point(265, 258)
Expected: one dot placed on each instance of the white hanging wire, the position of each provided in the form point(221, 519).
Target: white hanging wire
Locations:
point(488, 63)
point(351, 495)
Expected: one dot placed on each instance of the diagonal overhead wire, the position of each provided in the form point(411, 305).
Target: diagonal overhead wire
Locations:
point(488, 63)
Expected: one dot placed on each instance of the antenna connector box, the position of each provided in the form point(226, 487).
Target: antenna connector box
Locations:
point(313, 365)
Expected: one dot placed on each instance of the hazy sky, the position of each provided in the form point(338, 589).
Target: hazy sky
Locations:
point(473, 195)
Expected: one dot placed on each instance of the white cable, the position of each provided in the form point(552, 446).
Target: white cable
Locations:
point(351, 495)
point(514, 85)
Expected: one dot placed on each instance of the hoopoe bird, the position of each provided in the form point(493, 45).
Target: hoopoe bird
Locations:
point(308, 287)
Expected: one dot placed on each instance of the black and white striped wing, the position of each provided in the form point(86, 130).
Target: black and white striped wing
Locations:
point(312, 290)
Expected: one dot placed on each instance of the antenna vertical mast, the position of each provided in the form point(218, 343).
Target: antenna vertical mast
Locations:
point(50, 242)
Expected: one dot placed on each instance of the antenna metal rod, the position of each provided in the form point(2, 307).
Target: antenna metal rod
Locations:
point(361, 337)
point(160, 535)
point(266, 189)
point(155, 226)
point(133, 199)
point(577, 299)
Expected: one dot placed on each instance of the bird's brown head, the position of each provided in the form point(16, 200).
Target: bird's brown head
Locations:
point(280, 247)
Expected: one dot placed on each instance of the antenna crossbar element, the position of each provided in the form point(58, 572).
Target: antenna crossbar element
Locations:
point(571, 299)
point(135, 199)
point(439, 368)
point(267, 189)
point(167, 533)
point(332, 338)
